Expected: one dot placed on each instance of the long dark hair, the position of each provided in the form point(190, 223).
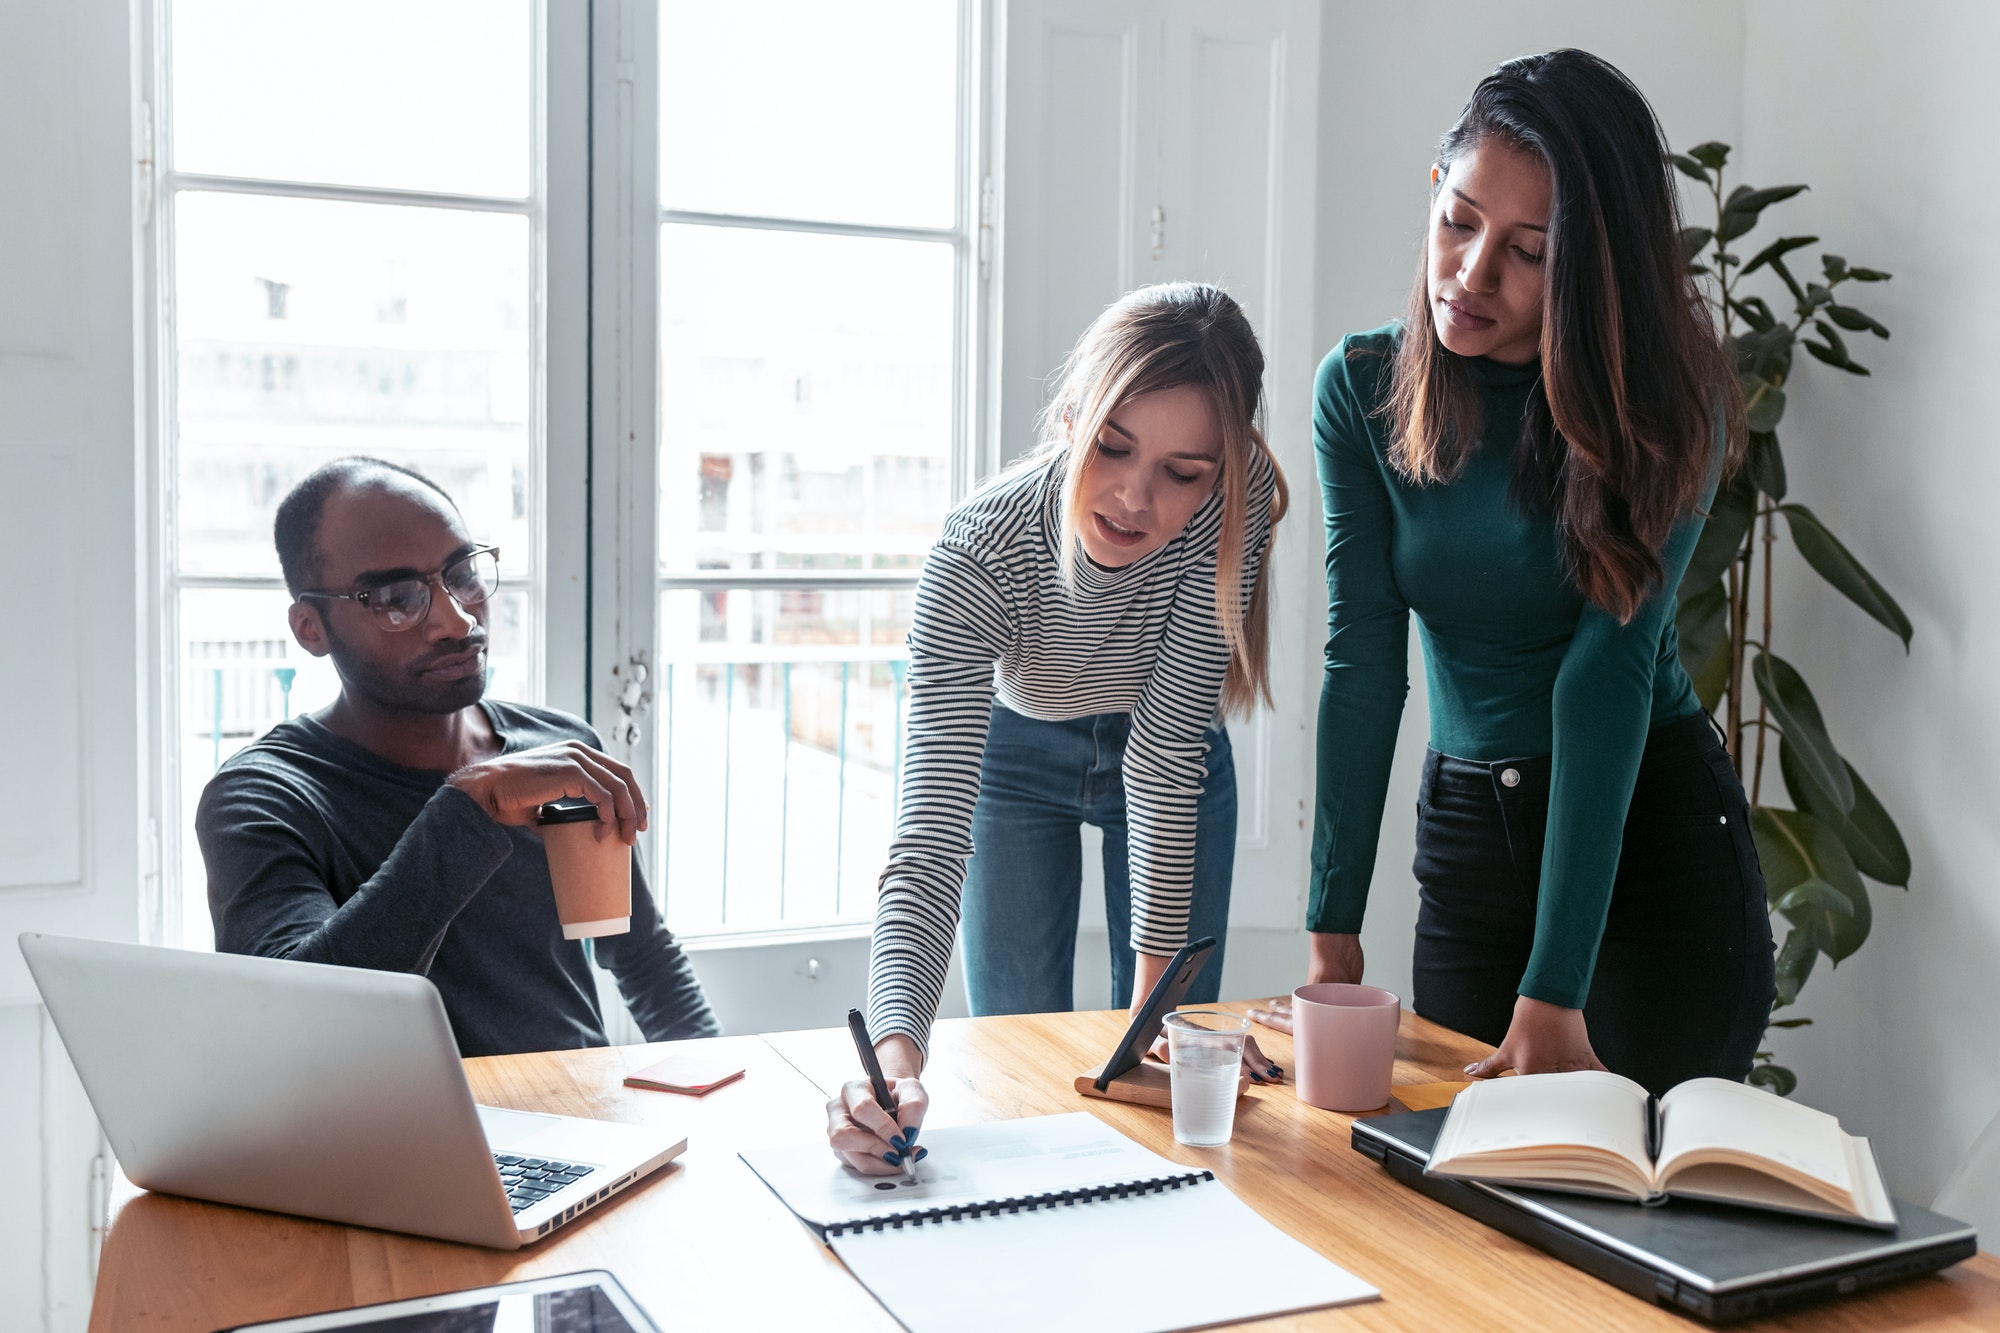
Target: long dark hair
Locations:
point(1617, 438)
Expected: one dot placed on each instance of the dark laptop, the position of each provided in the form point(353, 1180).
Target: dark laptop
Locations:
point(1714, 1261)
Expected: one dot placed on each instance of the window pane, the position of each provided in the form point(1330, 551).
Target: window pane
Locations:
point(241, 674)
point(420, 96)
point(309, 330)
point(806, 399)
point(781, 731)
point(804, 109)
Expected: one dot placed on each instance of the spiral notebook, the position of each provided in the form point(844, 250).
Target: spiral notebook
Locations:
point(1052, 1223)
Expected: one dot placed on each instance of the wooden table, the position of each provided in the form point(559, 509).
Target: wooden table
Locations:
point(704, 1245)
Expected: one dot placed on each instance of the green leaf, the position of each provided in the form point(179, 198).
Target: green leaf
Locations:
point(1801, 900)
point(1694, 240)
point(1834, 266)
point(1837, 565)
point(1783, 270)
point(1784, 692)
point(1755, 312)
point(1854, 321)
point(1721, 539)
point(1689, 167)
point(1711, 154)
point(1767, 463)
point(1702, 624)
point(1869, 834)
point(1867, 275)
point(1835, 343)
point(1796, 957)
point(1739, 212)
point(1784, 245)
point(1743, 200)
point(1806, 868)
point(1777, 1078)
point(1827, 354)
point(1763, 354)
point(1792, 1023)
point(1764, 406)
point(1817, 295)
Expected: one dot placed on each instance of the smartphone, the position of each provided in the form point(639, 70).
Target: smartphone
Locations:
point(1168, 992)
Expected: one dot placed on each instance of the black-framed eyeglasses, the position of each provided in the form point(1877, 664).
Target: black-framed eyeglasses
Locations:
point(402, 604)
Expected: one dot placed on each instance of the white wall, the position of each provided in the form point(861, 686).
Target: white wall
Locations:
point(73, 794)
point(1890, 122)
point(1393, 78)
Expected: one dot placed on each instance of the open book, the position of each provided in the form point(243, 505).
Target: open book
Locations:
point(1054, 1223)
point(1591, 1132)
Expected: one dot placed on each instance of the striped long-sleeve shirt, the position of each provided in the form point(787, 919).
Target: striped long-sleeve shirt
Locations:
point(993, 614)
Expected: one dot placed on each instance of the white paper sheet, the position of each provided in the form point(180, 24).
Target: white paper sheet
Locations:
point(1140, 1263)
point(1180, 1259)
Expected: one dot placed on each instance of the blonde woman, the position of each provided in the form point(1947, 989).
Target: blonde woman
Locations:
point(1081, 627)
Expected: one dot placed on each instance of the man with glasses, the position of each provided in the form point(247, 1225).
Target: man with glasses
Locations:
point(391, 829)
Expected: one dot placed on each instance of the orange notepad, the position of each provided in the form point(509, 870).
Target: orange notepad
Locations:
point(687, 1074)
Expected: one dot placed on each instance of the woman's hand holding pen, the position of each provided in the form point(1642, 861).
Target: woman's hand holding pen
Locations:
point(861, 1133)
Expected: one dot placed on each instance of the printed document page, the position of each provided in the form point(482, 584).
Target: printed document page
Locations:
point(1179, 1259)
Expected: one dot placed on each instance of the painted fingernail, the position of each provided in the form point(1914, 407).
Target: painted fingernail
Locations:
point(899, 1141)
point(1275, 1072)
point(910, 1135)
point(893, 1158)
point(923, 1153)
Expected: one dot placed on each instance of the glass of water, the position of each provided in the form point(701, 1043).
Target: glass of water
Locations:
point(1205, 1053)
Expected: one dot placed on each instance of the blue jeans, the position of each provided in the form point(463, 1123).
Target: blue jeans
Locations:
point(1039, 782)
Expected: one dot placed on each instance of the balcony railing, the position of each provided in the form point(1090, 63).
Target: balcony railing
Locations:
point(777, 787)
point(779, 773)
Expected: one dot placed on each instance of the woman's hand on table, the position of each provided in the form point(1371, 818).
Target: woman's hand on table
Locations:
point(1146, 973)
point(1329, 957)
point(1543, 1039)
point(861, 1133)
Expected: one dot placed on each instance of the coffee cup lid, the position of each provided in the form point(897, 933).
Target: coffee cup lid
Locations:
point(573, 811)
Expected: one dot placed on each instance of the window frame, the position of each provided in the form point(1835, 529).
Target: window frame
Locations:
point(626, 407)
point(555, 206)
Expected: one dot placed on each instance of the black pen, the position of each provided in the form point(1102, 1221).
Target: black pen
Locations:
point(858, 1027)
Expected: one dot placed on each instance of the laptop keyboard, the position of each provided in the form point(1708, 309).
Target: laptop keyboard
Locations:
point(529, 1180)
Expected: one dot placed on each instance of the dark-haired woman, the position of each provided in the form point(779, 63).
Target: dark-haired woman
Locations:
point(1525, 462)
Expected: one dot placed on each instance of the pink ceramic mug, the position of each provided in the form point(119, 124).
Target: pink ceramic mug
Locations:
point(1344, 1044)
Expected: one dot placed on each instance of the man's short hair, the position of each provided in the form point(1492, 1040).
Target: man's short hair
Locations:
point(296, 531)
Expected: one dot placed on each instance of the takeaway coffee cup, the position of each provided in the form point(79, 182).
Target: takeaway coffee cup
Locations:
point(1344, 1044)
point(592, 876)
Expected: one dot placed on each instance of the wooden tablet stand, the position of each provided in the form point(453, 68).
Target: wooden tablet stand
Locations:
point(1147, 1085)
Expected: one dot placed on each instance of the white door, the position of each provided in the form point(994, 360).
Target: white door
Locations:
point(1150, 142)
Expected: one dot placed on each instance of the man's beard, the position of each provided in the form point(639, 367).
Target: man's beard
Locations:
point(406, 690)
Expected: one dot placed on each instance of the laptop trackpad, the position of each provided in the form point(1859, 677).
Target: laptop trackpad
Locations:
point(504, 1128)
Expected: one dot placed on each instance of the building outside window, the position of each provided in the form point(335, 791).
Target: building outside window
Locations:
point(348, 264)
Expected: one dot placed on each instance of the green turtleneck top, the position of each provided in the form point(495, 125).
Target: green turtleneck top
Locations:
point(1517, 663)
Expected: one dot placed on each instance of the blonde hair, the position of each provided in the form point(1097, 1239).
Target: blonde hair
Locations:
point(1162, 337)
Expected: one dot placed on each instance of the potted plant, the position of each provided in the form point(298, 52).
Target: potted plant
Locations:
point(1817, 853)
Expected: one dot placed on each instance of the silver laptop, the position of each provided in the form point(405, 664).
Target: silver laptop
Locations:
point(329, 1092)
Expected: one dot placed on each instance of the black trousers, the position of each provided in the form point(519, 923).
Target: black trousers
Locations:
point(1684, 978)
